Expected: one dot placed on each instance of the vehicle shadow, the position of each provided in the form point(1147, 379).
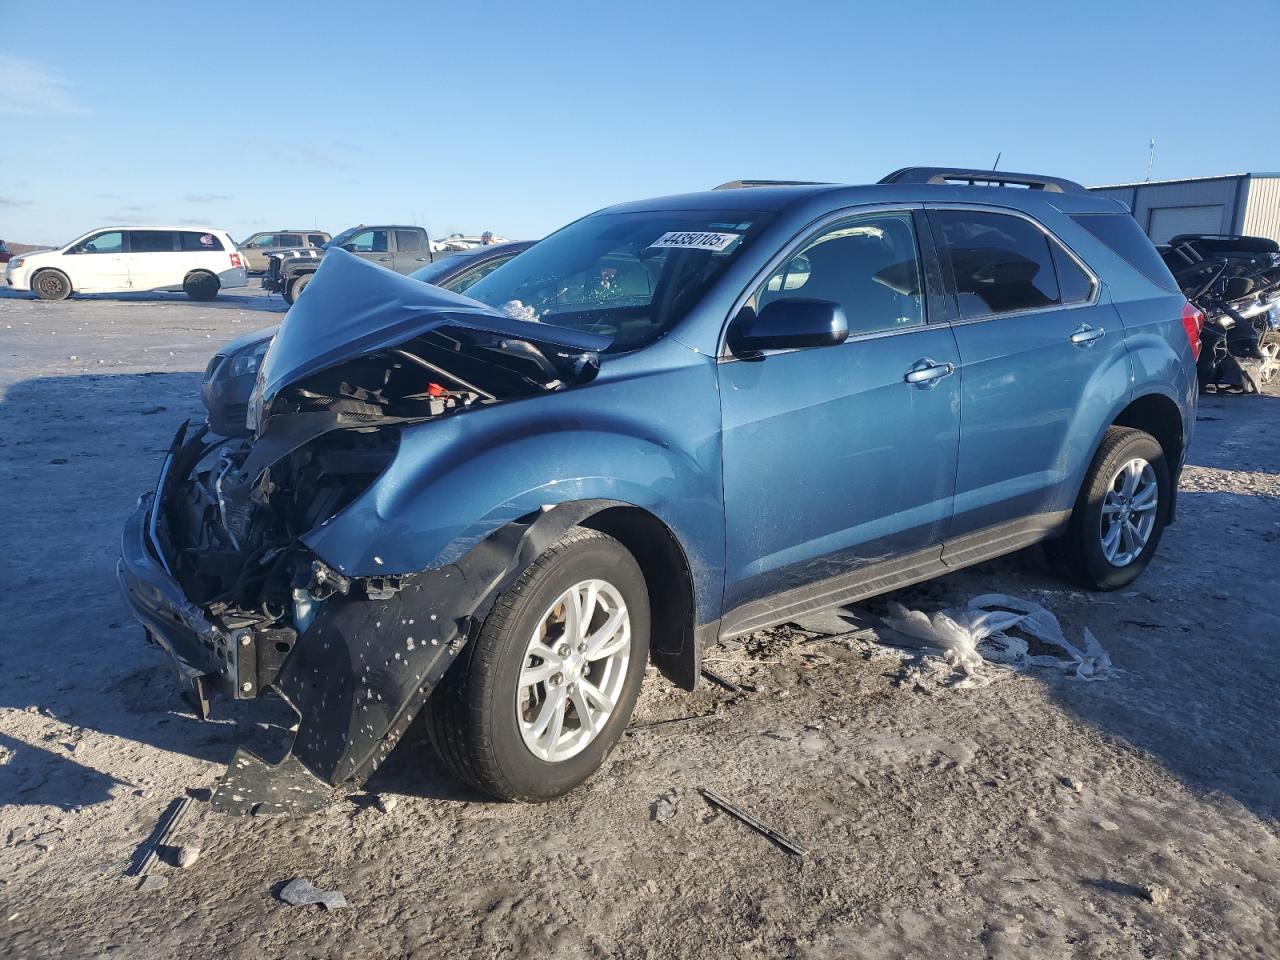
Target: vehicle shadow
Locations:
point(1196, 635)
point(235, 298)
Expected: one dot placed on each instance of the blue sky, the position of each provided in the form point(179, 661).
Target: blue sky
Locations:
point(520, 117)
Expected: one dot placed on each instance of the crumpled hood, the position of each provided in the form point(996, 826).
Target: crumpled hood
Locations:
point(353, 308)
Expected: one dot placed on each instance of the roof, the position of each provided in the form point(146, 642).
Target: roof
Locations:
point(775, 199)
point(1157, 183)
point(186, 227)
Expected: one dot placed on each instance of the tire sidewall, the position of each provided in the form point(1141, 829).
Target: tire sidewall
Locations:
point(529, 776)
point(1102, 574)
point(299, 285)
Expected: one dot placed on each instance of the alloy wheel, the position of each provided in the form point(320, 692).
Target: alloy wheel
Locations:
point(574, 668)
point(1129, 512)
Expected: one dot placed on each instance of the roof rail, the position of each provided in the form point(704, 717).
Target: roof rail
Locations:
point(743, 184)
point(994, 178)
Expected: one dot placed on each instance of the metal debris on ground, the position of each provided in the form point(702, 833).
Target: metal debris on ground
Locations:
point(976, 639)
point(173, 816)
point(783, 841)
point(676, 722)
point(721, 680)
point(666, 806)
point(299, 892)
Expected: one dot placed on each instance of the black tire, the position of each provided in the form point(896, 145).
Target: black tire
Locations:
point(1079, 553)
point(296, 288)
point(201, 285)
point(51, 285)
point(471, 717)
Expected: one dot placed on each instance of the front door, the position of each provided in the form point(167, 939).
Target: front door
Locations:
point(833, 460)
point(1042, 350)
point(99, 264)
point(372, 245)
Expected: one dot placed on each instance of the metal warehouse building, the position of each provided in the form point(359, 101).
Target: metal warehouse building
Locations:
point(1237, 203)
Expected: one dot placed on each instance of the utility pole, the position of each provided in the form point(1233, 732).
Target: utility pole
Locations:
point(1151, 157)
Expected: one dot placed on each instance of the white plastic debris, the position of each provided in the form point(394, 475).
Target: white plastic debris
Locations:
point(300, 892)
point(976, 640)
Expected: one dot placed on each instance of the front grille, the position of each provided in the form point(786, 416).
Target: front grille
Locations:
point(237, 413)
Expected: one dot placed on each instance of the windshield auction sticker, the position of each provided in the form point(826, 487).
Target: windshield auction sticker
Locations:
point(695, 240)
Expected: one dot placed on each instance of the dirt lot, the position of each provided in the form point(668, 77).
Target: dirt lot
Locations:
point(1038, 816)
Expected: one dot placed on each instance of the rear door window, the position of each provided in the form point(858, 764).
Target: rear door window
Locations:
point(315, 239)
point(1121, 233)
point(193, 241)
point(289, 240)
point(151, 241)
point(999, 263)
point(408, 241)
point(1074, 284)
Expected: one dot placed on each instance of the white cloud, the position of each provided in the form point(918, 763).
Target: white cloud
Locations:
point(28, 87)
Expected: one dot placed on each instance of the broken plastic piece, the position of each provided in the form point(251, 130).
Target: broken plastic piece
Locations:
point(253, 786)
point(299, 892)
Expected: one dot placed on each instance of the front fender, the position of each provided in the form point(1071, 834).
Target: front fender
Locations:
point(458, 479)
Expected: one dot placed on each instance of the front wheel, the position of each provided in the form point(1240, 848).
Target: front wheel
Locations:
point(536, 701)
point(51, 285)
point(1269, 347)
point(1120, 513)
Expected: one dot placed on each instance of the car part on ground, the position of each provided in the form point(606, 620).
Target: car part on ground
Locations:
point(434, 484)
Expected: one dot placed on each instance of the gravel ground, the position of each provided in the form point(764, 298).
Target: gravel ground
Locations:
point(1036, 816)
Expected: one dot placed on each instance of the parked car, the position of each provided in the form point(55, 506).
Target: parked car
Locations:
point(232, 372)
point(257, 246)
point(5, 254)
point(399, 248)
point(198, 260)
point(670, 422)
point(458, 241)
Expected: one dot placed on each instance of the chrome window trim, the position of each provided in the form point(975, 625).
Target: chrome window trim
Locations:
point(1049, 235)
point(787, 251)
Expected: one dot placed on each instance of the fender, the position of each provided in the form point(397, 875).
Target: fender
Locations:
point(457, 480)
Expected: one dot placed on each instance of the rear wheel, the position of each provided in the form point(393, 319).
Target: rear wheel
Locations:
point(1120, 513)
point(537, 700)
point(1269, 347)
point(51, 285)
point(201, 285)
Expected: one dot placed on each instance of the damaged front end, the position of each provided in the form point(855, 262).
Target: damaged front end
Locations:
point(216, 563)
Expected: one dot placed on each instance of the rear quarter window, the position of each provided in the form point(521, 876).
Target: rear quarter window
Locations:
point(1121, 233)
point(196, 242)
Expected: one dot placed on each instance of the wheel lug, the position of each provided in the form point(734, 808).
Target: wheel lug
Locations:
point(582, 648)
point(563, 650)
point(556, 679)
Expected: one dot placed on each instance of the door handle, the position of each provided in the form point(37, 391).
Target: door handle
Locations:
point(420, 259)
point(384, 259)
point(926, 372)
point(1087, 334)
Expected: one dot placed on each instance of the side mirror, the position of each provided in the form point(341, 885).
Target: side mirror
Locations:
point(349, 247)
point(792, 324)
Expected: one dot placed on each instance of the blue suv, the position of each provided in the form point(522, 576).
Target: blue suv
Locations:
point(670, 422)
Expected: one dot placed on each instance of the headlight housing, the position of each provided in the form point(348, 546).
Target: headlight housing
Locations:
point(16, 262)
point(247, 361)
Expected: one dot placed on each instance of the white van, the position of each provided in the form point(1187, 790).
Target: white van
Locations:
point(199, 260)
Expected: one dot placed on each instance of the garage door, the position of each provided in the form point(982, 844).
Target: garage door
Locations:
point(1167, 222)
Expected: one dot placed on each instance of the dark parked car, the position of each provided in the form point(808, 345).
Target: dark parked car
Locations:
point(5, 253)
point(258, 247)
point(672, 421)
point(399, 248)
point(232, 371)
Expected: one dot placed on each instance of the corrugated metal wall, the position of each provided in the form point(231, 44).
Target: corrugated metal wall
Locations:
point(1262, 210)
point(1225, 194)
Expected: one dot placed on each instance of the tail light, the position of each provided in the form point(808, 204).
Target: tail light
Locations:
point(1193, 323)
point(235, 260)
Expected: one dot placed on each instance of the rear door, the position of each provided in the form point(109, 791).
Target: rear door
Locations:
point(1043, 363)
point(154, 260)
point(833, 460)
point(411, 250)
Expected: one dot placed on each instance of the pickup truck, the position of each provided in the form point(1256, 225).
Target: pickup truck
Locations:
point(399, 248)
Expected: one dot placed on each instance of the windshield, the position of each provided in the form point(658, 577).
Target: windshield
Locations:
point(629, 276)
